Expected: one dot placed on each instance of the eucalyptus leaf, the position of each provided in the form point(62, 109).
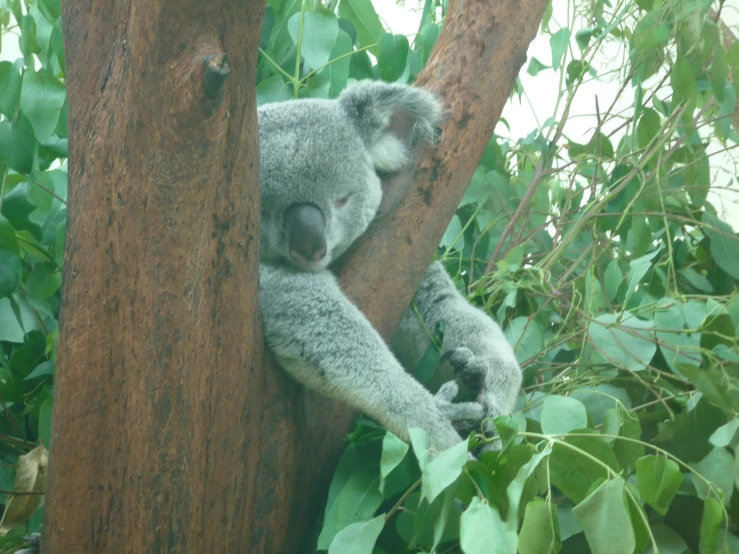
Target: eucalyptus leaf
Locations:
point(604, 518)
point(628, 342)
point(42, 97)
point(659, 480)
point(319, 34)
point(482, 531)
point(10, 260)
point(562, 414)
point(358, 538)
point(363, 16)
point(443, 470)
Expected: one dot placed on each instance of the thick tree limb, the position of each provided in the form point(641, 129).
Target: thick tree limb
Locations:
point(156, 438)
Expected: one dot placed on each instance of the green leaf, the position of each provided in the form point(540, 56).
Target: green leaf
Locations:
point(535, 66)
point(419, 442)
point(726, 113)
point(605, 519)
point(559, 42)
point(719, 72)
point(629, 343)
point(595, 299)
point(638, 268)
point(12, 327)
point(717, 467)
point(358, 538)
point(612, 279)
point(425, 40)
point(684, 86)
point(392, 55)
point(562, 414)
point(507, 428)
point(394, 451)
point(698, 179)
point(44, 420)
point(540, 529)
point(574, 472)
point(724, 435)
point(724, 249)
point(42, 97)
point(649, 126)
point(482, 531)
point(44, 368)
point(628, 452)
point(273, 89)
point(695, 279)
point(17, 144)
point(668, 541)
point(337, 72)
point(713, 516)
point(583, 37)
point(10, 259)
point(363, 16)
point(677, 346)
point(453, 233)
point(353, 496)
point(320, 31)
point(659, 480)
point(443, 470)
point(650, 32)
point(526, 336)
point(10, 87)
point(601, 398)
point(43, 281)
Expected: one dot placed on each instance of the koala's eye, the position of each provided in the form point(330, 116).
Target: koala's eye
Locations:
point(341, 202)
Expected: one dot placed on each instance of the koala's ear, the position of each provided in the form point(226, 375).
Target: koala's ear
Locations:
point(392, 119)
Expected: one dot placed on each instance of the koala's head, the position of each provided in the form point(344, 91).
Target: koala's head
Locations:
point(323, 163)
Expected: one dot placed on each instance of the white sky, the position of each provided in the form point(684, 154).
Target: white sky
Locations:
point(522, 117)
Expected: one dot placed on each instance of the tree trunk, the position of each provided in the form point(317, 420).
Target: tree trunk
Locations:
point(156, 439)
point(170, 434)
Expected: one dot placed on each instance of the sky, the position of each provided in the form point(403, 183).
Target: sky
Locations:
point(523, 117)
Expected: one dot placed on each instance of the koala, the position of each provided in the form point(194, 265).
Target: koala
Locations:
point(323, 167)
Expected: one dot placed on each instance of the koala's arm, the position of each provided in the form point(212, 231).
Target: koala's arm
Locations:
point(325, 342)
point(473, 343)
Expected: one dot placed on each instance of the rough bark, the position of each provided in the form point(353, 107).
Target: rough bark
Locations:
point(170, 434)
point(156, 441)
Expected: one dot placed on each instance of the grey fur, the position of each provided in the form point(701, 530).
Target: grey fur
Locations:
point(317, 152)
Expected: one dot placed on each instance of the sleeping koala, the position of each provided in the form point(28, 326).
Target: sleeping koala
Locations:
point(323, 166)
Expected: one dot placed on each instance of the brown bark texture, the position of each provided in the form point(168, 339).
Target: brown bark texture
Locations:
point(155, 436)
point(170, 432)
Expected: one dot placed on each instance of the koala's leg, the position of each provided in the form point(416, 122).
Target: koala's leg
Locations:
point(473, 343)
point(326, 343)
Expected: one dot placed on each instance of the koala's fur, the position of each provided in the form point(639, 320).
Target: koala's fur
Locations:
point(319, 153)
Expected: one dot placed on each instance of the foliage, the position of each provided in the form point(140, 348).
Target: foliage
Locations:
point(607, 267)
point(33, 192)
point(603, 259)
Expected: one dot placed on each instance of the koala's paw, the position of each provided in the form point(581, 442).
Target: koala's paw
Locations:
point(457, 412)
point(471, 369)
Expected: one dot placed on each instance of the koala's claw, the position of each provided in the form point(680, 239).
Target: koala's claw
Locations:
point(468, 367)
point(462, 411)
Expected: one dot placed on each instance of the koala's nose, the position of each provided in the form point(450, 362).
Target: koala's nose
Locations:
point(306, 233)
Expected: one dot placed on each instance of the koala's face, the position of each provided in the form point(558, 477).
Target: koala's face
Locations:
point(319, 187)
point(320, 161)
